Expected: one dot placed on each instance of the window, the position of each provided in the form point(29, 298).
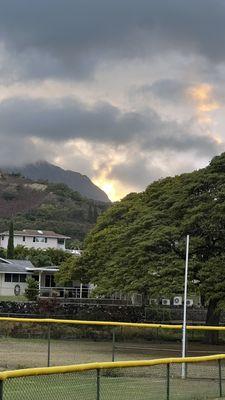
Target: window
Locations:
point(3, 237)
point(23, 277)
point(24, 238)
point(8, 277)
point(60, 241)
point(49, 281)
point(46, 240)
point(15, 277)
point(39, 239)
point(34, 239)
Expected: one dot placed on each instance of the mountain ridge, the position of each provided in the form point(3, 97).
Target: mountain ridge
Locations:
point(43, 170)
point(44, 205)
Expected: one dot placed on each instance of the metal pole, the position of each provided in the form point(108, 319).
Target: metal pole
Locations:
point(167, 381)
point(1, 390)
point(98, 385)
point(49, 344)
point(113, 344)
point(183, 374)
point(220, 379)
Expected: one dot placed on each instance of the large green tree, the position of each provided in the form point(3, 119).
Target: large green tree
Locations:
point(139, 243)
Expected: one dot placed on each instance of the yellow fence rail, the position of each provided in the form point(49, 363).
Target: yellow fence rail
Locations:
point(113, 339)
point(112, 324)
point(65, 369)
point(98, 381)
point(154, 379)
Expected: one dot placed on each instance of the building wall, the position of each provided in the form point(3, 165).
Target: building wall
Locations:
point(7, 288)
point(18, 240)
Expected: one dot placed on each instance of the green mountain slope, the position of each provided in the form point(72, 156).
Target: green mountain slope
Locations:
point(43, 170)
point(41, 205)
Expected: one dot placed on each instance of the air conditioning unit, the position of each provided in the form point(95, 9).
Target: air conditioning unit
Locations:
point(189, 302)
point(153, 302)
point(165, 302)
point(177, 301)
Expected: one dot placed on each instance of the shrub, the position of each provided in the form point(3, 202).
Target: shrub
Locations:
point(31, 292)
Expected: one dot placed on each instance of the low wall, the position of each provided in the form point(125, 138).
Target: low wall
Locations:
point(52, 307)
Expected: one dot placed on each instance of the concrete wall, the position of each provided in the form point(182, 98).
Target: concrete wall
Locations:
point(18, 240)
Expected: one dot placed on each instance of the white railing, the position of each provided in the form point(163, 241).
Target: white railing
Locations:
point(64, 292)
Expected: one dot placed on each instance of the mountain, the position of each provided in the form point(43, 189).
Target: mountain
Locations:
point(42, 170)
point(48, 206)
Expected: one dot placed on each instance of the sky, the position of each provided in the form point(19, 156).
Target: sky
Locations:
point(123, 91)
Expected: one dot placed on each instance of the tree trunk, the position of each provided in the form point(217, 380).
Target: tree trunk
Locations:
point(213, 319)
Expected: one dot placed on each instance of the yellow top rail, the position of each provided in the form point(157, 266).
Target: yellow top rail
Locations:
point(105, 365)
point(111, 323)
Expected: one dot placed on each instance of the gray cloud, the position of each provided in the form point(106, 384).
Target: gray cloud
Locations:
point(135, 172)
point(181, 137)
point(166, 89)
point(66, 119)
point(51, 38)
point(17, 152)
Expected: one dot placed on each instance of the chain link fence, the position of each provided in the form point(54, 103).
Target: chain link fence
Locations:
point(134, 380)
point(39, 342)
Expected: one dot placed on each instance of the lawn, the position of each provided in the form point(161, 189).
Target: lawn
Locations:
point(15, 299)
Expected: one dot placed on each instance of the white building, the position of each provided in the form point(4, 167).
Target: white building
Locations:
point(13, 275)
point(35, 238)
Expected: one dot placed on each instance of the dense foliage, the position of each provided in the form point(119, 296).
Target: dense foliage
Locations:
point(32, 290)
point(39, 257)
point(139, 243)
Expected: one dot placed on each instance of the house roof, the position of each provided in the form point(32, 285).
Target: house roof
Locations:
point(39, 233)
point(14, 266)
point(23, 267)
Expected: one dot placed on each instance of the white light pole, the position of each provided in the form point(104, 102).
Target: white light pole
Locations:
point(183, 375)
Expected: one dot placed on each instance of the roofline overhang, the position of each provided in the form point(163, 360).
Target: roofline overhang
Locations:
point(44, 269)
point(37, 235)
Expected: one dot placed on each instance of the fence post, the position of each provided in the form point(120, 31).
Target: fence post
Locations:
point(113, 344)
point(1, 390)
point(98, 385)
point(220, 378)
point(167, 381)
point(49, 344)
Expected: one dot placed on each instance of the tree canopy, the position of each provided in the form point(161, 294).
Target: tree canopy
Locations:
point(139, 243)
point(39, 257)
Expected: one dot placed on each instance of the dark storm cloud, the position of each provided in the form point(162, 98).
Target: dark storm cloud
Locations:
point(66, 119)
point(54, 38)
